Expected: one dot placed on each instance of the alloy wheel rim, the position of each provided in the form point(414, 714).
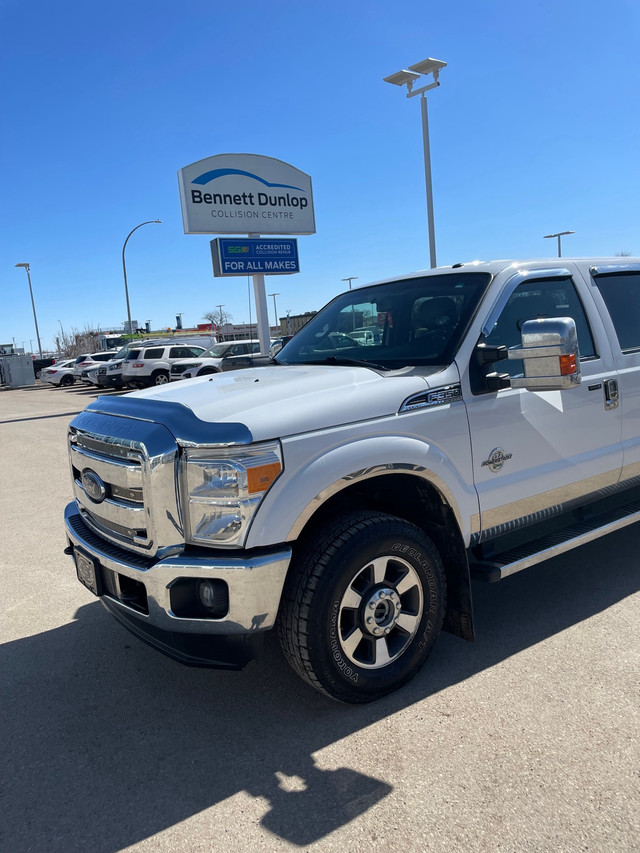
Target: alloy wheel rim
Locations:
point(379, 613)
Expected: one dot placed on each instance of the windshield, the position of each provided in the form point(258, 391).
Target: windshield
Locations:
point(216, 351)
point(403, 323)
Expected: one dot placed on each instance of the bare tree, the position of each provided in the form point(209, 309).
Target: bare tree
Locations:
point(218, 318)
point(623, 254)
point(74, 343)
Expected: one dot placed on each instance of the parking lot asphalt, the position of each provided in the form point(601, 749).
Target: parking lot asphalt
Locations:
point(526, 740)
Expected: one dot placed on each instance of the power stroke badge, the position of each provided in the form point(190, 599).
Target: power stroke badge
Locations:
point(496, 459)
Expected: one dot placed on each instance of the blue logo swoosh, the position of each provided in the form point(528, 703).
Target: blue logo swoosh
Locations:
point(221, 173)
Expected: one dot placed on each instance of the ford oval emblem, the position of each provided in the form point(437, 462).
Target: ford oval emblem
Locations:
point(93, 485)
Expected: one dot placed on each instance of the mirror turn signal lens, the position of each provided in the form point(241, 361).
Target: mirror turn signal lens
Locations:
point(568, 365)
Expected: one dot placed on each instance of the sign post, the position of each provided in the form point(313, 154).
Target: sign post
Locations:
point(247, 194)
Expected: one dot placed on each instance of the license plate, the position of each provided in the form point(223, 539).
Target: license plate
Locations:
point(86, 571)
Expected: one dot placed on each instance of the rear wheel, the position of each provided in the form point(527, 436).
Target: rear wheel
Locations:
point(67, 380)
point(363, 606)
point(160, 377)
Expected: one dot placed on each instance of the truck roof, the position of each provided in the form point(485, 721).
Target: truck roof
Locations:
point(497, 266)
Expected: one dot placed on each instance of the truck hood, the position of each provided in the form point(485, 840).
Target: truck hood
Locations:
point(290, 399)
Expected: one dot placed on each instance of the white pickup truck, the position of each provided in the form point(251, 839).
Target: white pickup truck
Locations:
point(346, 493)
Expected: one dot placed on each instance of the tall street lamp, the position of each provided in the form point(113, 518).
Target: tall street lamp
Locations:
point(408, 78)
point(124, 268)
point(349, 278)
point(33, 305)
point(559, 235)
point(275, 307)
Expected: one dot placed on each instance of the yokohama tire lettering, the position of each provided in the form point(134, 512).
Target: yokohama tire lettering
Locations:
point(343, 666)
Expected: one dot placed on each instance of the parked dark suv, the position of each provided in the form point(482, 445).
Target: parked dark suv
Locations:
point(40, 363)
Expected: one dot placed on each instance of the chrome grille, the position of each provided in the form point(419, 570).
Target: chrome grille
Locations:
point(134, 464)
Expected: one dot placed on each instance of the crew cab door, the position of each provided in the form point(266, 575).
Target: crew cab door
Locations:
point(533, 451)
point(616, 290)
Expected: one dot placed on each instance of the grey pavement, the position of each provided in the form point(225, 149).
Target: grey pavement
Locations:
point(527, 740)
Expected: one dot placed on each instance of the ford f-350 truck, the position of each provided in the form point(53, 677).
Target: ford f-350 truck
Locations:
point(345, 494)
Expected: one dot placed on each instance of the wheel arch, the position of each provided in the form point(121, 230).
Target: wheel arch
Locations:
point(414, 496)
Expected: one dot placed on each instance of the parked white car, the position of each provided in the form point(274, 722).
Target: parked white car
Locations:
point(60, 373)
point(150, 365)
point(88, 360)
point(210, 361)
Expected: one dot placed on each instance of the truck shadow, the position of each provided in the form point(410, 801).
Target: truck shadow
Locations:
point(109, 743)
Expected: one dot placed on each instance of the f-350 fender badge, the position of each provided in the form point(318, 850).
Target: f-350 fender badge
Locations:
point(496, 459)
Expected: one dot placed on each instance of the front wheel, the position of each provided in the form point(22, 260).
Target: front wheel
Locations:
point(362, 607)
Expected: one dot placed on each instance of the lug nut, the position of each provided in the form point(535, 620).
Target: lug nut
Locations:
point(381, 594)
point(369, 620)
point(376, 630)
point(372, 605)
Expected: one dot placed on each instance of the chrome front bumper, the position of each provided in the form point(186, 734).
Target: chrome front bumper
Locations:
point(254, 581)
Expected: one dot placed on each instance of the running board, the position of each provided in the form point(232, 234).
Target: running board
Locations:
point(553, 544)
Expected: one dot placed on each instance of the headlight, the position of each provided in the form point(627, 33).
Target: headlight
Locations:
point(223, 488)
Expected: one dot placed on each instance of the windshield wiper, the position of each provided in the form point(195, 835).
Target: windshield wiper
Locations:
point(354, 362)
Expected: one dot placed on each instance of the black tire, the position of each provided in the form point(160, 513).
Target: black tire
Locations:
point(67, 380)
point(362, 606)
point(160, 377)
point(38, 374)
point(208, 371)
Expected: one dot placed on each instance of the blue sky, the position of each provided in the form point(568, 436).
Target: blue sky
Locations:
point(534, 129)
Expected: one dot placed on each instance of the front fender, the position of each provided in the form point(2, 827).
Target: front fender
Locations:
point(314, 475)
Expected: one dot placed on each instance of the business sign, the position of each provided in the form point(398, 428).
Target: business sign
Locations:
point(244, 194)
point(251, 256)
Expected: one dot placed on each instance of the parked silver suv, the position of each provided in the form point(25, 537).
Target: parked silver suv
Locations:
point(150, 365)
point(211, 361)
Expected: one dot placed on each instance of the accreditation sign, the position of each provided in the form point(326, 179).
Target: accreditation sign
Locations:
point(250, 256)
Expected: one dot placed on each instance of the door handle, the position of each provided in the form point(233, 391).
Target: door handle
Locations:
point(611, 394)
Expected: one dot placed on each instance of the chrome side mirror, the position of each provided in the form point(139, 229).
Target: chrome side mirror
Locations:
point(550, 355)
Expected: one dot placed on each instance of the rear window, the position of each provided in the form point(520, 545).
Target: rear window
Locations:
point(185, 352)
point(621, 294)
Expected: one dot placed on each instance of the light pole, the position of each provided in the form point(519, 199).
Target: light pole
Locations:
point(559, 235)
point(124, 267)
point(408, 78)
point(275, 307)
point(219, 329)
point(33, 305)
point(349, 278)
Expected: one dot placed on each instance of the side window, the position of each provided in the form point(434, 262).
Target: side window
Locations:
point(254, 347)
point(533, 300)
point(156, 352)
point(238, 349)
point(621, 294)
